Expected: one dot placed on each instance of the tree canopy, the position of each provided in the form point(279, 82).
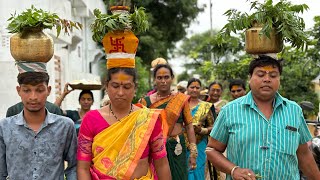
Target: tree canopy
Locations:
point(301, 66)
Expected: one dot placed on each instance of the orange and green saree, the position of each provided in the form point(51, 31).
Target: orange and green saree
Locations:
point(176, 110)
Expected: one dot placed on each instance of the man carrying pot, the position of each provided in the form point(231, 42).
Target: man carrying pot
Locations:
point(35, 143)
point(265, 133)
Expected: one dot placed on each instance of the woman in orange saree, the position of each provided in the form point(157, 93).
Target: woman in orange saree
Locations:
point(177, 117)
point(122, 140)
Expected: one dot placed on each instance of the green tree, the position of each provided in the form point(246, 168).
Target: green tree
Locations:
point(184, 76)
point(142, 80)
point(300, 66)
point(298, 72)
point(209, 53)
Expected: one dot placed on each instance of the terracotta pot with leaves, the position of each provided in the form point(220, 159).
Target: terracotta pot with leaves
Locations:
point(268, 26)
point(30, 43)
point(117, 33)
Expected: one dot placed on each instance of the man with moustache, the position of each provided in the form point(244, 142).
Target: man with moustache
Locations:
point(35, 143)
point(265, 133)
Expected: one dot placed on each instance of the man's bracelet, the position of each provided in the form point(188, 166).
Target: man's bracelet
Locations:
point(232, 170)
point(61, 97)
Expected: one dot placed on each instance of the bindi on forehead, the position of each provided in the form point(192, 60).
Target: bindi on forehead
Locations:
point(195, 84)
point(235, 87)
point(123, 77)
point(267, 68)
point(162, 72)
point(216, 86)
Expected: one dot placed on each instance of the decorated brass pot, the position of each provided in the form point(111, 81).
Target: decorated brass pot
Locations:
point(261, 44)
point(31, 45)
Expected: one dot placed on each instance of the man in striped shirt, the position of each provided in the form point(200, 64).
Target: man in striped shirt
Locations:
point(265, 133)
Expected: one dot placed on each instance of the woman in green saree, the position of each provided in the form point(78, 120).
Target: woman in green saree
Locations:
point(176, 116)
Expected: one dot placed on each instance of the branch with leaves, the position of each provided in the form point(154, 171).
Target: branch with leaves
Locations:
point(38, 18)
point(283, 16)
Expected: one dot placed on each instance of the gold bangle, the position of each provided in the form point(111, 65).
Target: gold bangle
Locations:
point(192, 146)
point(193, 150)
point(60, 98)
point(193, 154)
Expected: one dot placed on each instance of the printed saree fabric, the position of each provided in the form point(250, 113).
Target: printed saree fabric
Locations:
point(173, 106)
point(203, 114)
point(116, 150)
point(176, 110)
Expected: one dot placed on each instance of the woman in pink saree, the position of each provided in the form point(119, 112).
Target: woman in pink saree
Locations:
point(122, 140)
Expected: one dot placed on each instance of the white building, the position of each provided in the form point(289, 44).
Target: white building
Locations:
point(75, 57)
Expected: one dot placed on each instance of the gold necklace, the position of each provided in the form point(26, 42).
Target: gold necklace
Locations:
point(115, 115)
point(161, 97)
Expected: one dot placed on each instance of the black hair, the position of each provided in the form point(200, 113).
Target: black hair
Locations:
point(264, 60)
point(162, 66)
point(238, 82)
point(33, 78)
point(86, 92)
point(215, 82)
point(129, 71)
point(193, 80)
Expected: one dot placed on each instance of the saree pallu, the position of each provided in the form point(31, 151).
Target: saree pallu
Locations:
point(118, 149)
point(178, 164)
point(176, 110)
point(202, 114)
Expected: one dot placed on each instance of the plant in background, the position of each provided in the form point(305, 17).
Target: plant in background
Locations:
point(40, 19)
point(104, 23)
point(283, 16)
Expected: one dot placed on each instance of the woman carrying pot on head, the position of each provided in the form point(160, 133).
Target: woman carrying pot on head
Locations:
point(176, 116)
point(85, 100)
point(203, 115)
point(122, 140)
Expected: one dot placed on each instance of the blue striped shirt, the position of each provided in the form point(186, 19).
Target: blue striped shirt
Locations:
point(268, 147)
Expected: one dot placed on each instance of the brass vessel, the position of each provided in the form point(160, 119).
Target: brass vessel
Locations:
point(31, 45)
point(261, 44)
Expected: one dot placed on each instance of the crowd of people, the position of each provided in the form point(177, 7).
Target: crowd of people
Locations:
point(168, 134)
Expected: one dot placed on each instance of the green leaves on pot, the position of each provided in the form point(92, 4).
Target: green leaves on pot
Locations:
point(283, 16)
point(139, 20)
point(105, 23)
point(38, 18)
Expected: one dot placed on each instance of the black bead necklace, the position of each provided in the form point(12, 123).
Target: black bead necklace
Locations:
point(115, 115)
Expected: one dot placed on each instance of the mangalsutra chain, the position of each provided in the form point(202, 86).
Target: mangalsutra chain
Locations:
point(158, 95)
point(115, 115)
